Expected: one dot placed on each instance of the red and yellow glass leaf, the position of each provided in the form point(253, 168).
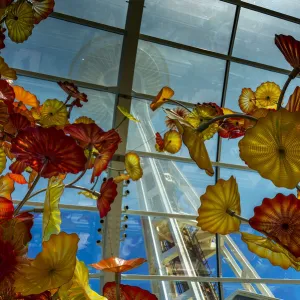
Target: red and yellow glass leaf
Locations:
point(195, 143)
point(53, 113)
point(60, 154)
point(159, 146)
point(7, 186)
point(133, 166)
point(271, 147)
point(267, 95)
point(6, 91)
point(101, 163)
point(172, 141)
point(17, 167)
point(19, 21)
point(52, 267)
point(6, 209)
point(16, 123)
point(118, 265)
point(162, 97)
point(290, 48)
point(278, 218)
point(217, 203)
point(18, 178)
point(247, 101)
point(25, 97)
point(294, 101)
point(108, 193)
point(42, 9)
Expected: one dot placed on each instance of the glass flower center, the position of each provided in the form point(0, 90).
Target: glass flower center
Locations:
point(268, 97)
point(285, 226)
point(281, 151)
point(16, 18)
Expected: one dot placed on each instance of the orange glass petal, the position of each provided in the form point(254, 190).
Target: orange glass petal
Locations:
point(42, 9)
point(118, 265)
point(172, 141)
point(294, 101)
point(247, 101)
point(26, 97)
point(271, 148)
point(163, 96)
point(216, 203)
point(18, 178)
point(259, 113)
point(108, 193)
point(279, 219)
point(6, 91)
point(290, 48)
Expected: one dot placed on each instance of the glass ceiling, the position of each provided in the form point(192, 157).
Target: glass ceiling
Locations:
point(207, 51)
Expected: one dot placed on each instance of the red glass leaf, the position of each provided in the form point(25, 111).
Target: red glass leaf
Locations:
point(24, 223)
point(6, 209)
point(108, 193)
point(231, 131)
point(16, 123)
point(17, 167)
point(127, 292)
point(159, 141)
point(6, 91)
point(38, 146)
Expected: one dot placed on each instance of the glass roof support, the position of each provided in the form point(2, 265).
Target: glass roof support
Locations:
point(112, 225)
point(263, 10)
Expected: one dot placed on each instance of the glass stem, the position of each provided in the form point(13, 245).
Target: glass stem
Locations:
point(118, 280)
point(233, 214)
point(292, 75)
point(180, 104)
point(121, 122)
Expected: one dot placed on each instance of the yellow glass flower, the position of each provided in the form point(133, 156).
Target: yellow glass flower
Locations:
point(247, 101)
point(6, 72)
point(162, 97)
point(216, 204)
point(52, 267)
point(84, 120)
point(272, 146)
point(53, 113)
point(133, 166)
point(267, 95)
point(203, 113)
point(121, 178)
point(172, 141)
point(259, 113)
point(194, 141)
point(24, 96)
point(266, 248)
point(19, 21)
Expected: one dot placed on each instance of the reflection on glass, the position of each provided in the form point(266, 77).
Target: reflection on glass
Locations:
point(255, 37)
point(172, 247)
point(235, 252)
point(83, 223)
point(68, 50)
point(288, 7)
point(168, 186)
point(195, 78)
point(152, 122)
point(200, 23)
point(253, 189)
point(100, 105)
point(111, 12)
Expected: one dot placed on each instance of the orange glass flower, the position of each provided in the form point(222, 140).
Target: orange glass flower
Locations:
point(290, 48)
point(127, 292)
point(24, 96)
point(247, 101)
point(217, 203)
point(39, 146)
point(118, 265)
point(271, 148)
point(294, 101)
point(42, 9)
point(279, 219)
point(162, 97)
point(267, 95)
point(108, 193)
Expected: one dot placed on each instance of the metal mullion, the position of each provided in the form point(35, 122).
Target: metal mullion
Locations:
point(263, 10)
point(87, 23)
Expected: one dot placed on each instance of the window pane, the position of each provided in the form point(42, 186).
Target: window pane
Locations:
point(111, 12)
point(68, 50)
point(100, 105)
point(152, 122)
point(255, 38)
point(95, 285)
point(242, 76)
point(288, 7)
point(168, 186)
point(200, 23)
point(83, 223)
point(252, 188)
point(194, 77)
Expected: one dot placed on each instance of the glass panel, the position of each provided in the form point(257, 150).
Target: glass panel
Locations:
point(84, 223)
point(242, 76)
point(111, 12)
point(253, 189)
point(172, 247)
point(255, 38)
point(68, 50)
point(288, 7)
point(194, 77)
point(168, 186)
point(100, 105)
point(204, 24)
point(152, 122)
